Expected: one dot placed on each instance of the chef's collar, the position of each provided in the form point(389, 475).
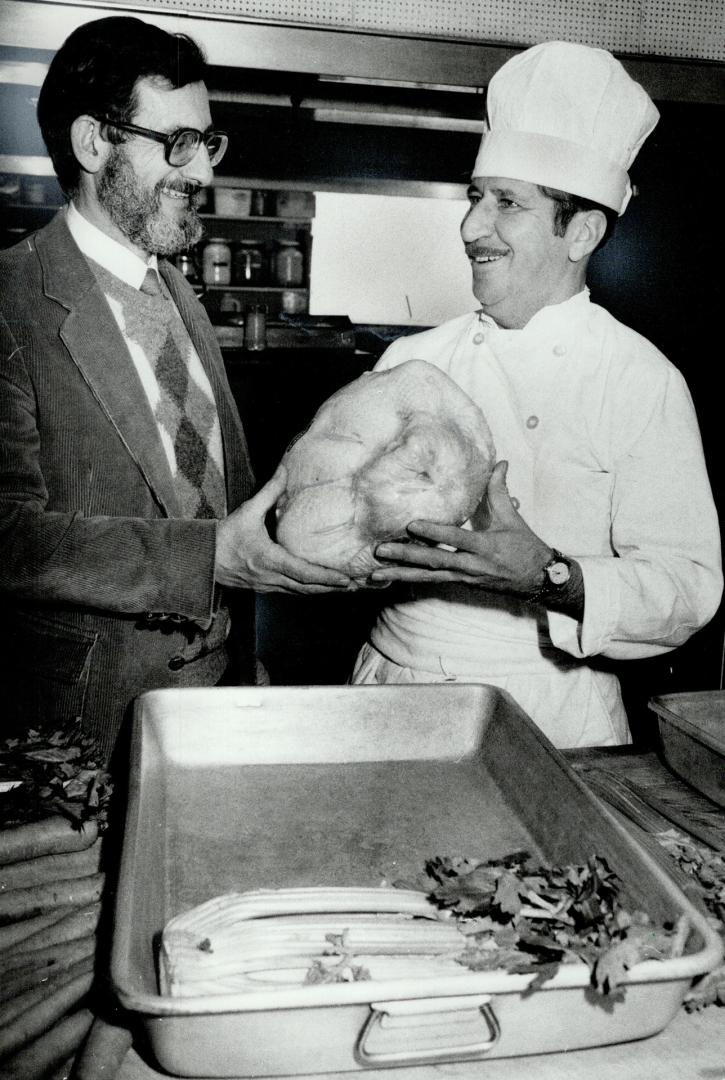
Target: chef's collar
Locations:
point(545, 319)
point(106, 251)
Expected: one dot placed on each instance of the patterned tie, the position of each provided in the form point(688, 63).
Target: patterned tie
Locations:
point(188, 415)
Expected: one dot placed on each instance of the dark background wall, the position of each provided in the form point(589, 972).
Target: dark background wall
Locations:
point(662, 275)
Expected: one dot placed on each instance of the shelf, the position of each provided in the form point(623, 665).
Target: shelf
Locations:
point(252, 218)
point(261, 218)
point(251, 288)
point(50, 208)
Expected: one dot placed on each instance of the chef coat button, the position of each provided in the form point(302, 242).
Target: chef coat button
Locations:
point(478, 338)
point(515, 502)
point(532, 422)
point(559, 350)
point(176, 663)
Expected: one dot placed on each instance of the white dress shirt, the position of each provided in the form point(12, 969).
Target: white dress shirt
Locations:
point(606, 465)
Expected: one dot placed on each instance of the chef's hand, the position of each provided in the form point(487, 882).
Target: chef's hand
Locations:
point(247, 558)
point(506, 556)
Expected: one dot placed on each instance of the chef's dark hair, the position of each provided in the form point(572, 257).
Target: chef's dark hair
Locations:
point(96, 71)
point(566, 206)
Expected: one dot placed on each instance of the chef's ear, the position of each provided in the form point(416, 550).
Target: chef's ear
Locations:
point(89, 146)
point(586, 229)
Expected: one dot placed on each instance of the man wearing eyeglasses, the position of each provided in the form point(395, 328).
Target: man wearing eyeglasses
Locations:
point(131, 539)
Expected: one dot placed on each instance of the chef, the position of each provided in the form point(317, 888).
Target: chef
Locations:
point(598, 540)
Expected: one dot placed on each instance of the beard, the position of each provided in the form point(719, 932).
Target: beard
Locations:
point(139, 213)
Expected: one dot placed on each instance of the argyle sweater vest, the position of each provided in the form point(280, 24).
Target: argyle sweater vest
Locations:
point(184, 409)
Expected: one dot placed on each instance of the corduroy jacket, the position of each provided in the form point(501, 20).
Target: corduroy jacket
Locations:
point(92, 545)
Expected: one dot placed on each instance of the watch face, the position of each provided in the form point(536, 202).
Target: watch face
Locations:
point(559, 573)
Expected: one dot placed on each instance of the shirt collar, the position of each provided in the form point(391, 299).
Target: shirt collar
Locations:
point(553, 317)
point(106, 251)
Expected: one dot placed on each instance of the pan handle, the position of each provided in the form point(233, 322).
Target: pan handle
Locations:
point(451, 1026)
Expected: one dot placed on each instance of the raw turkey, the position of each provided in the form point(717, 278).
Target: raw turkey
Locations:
point(388, 448)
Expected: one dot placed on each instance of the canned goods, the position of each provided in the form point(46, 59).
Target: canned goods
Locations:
point(232, 202)
point(217, 262)
point(294, 301)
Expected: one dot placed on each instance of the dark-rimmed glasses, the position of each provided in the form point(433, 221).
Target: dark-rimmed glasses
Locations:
point(180, 146)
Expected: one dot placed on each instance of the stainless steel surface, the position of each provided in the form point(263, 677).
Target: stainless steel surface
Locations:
point(375, 779)
point(692, 1047)
point(692, 734)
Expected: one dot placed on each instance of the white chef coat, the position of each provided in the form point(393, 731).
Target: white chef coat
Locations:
point(606, 465)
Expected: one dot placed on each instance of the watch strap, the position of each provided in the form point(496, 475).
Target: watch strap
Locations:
point(548, 587)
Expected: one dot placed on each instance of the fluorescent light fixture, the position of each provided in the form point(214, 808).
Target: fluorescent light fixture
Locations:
point(356, 80)
point(247, 97)
point(22, 73)
point(383, 118)
point(26, 165)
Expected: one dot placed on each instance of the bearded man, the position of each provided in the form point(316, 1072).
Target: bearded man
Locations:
point(131, 542)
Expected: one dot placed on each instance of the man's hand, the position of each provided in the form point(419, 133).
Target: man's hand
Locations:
point(247, 558)
point(505, 557)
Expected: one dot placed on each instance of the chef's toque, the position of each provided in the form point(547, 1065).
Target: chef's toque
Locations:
point(569, 117)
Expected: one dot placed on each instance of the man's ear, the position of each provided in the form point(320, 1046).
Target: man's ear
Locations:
point(90, 149)
point(586, 229)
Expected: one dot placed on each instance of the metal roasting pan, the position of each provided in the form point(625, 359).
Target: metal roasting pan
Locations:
point(235, 789)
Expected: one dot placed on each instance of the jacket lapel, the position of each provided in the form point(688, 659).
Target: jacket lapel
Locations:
point(97, 346)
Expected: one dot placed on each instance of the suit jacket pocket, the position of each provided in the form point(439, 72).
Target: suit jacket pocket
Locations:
point(45, 663)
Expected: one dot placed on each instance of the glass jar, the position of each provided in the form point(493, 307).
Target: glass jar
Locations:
point(255, 327)
point(187, 266)
point(259, 204)
point(217, 262)
point(294, 301)
point(289, 264)
point(248, 264)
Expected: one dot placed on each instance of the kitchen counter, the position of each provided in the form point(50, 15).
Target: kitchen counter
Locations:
point(692, 1046)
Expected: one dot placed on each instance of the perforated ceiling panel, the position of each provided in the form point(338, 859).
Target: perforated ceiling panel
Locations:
point(668, 28)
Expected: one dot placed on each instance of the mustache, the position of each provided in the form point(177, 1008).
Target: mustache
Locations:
point(476, 249)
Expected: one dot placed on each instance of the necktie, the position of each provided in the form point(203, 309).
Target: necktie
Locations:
point(150, 284)
point(188, 415)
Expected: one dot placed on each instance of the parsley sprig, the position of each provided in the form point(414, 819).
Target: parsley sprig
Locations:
point(522, 916)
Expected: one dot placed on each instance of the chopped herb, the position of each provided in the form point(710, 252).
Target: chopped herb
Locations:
point(524, 917)
point(58, 773)
point(343, 970)
point(706, 868)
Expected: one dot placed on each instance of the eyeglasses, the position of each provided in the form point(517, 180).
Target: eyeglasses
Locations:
point(180, 146)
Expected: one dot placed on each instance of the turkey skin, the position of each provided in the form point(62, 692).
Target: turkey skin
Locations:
point(391, 447)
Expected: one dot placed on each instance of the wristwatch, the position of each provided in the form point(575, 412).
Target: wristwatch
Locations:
point(556, 576)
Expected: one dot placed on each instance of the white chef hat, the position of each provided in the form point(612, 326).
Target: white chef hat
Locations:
point(566, 116)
